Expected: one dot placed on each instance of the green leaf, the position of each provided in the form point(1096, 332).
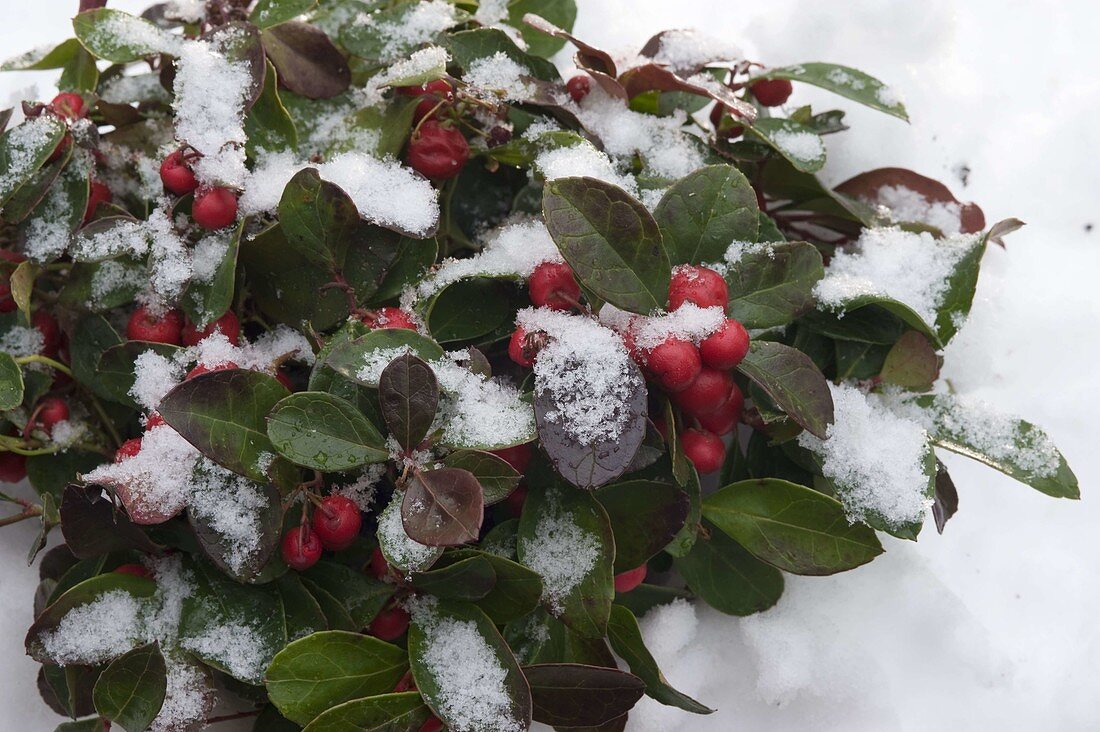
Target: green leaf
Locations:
point(470, 309)
point(800, 145)
point(791, 527)
point(729, 578)
point(471, 45)
point(329, 668)
point(843, 80)
point(515, 593)
point(468, 579)
point(684, 540)
point(349, 358)
point(115, 372)
point(119, 37)
point(497, 478)
point(268, 125)
point(223, 414)
point(706, 211)
point(626, 639)
point(442, 507)
point(307, 60)
point(1017, 448)
point(575, 695)
point(790, 378)
point(566, 537)
point(875, 304)
point(324, 432)
point(562, 13)
point(223, 545)
point(206, 301)
point(268, 13)
point(24, 149)
point(401, 712)
point(772, 284)
point(317, 218)
point(610, 240)
point(444, 683)
point(51, 473)
point(645, 517)
point(93, 526)
point(131, 690)
point(911, 362)
point(378, 41)
point(11, 383)
point(91, 336)
point(400, 549)
point(39, 59)
point(408, 394)
point(95, 724)
point(361, 596)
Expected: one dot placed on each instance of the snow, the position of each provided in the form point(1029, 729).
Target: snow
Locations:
point(471, 681)
point(802, 146)
point(905, 205)
point(135, 33)
point(561, 552)
point(969, 630)
point(420, 24)
point(361, 491)
point(187, 698)
point(478, 412)
point(689, 322)
point(231, 507)
point(587, 372)
point(583, 160)
point(500, 74)
point(399, 548)
point(50, 227)
point(21, 341)
point(688, 49)
point(234, 644)
point(24, 143)
point(906, 266)
point(154, 376)
point(98, 631)
point(875, 457)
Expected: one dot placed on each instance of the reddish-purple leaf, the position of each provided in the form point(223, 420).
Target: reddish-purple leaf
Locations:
point(443, 507)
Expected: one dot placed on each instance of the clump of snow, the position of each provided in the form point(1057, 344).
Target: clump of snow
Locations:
point(231, 507)
point(560, 551)
point(889, 96)
point(188, 698)
point(376, 361)
point(583, 160)
point(511, 250)
point(905, 204)
point(906, 266)
point(50, 228)
point(419, 24)
point(67, 433)
point(234, 644)
point(361, 491)
point(687, 50)
point(211, 92)
point(154, 376)
point(118, 29)
point(157, 481)
point(803, 146)
point(399, 547)
point(875, 458)
point(21, 341)
point(689, 322)
point(477, 411)
point(98, 631)
point(427, 61)
point(189, 11)
point(500, 74)
point(738, 250)
point(113, 276)
point(471, 682)
point(24, 144)
point(585, 369)
point(128, 89)
point(491, 12)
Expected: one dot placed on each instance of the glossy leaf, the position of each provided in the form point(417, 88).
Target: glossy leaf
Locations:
point(468, 579)
point(645, 517)
point(911, 362)
point(515, 592)
point(307, 61)
point(268, 13)
point(361, 596)
point(322, 670)
point(223, 546)
point(119, 37)
point(131, 690)
point(946, 501)
point(574, 695)
point(791, 527)
point(772, 284)
point(408, 393)
point(350, 357)
point(468, 46)
point(610, 240)
point(11, 383)
point(206, 301)
point(115, 371)
point(399, 712)
point(797, 143)
point(269, 126)
point(790, 378)
point(497, 478)
point(24, 149)
point(317, 218)
point(324, 432)
point(92, 526)
point(704, 212)
point(843, 80)
point(442, 507)
point(729, 578)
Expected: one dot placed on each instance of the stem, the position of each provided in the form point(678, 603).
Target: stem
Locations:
point(231, 717)
point(37, 358)
point(28, 512)
point(102, 414)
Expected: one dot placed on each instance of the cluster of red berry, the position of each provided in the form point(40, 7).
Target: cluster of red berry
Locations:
point(213, 207)
point(437, 148)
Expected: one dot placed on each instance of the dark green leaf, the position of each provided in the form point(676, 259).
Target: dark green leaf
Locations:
point(610, 240)
point(324, 432)
point(791, 527)
point(119, 37)
point(268, 125)
point(561, 13)
point(92, 526)
point(645, 517)
point(772, 284)
point(574, 695)
point(361, 596)
point(845, 81)
point(11, 383)
point(401, 712)
point(408, 393)
point(317, 218)
point(131, 690)
point(242, 562)
point(706, 211)
point(497, 478)
point(115, 371)
point(790, 378)
point(442, 507)
point(797, 143)
point(90, 337)
point(205, 302)
point(268, 13)
point(469, 46)
point(470, 309)
point(23, 150)
point(349, 357)
point(469, 579)
point(517, 589)
point(727, 577)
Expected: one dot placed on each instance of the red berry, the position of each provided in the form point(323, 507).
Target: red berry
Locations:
point(336, 522)
point(553, 286)
point(283, 378)
point(301, 548)
point(771, 92)
point(176, 174)
point(432, 724)
point(97, 193)
point(200, 369)
point(379, 567)
point(50, 412)
point(227, 325)
point(433, 93)
point(214, 208)
point(128, 449)
point(165, 328)
point(436, 151)
point(628, 580)
point(406, 683)
point(7, 302)
point(390, 624)
point(699, 285)
point(137, 570)
point(68, 104)
point(705, 450)
point(675, 363)
point(725, 348)
point(706, 393)
point(519, 456)
point(47, 325)
point(722, 420)
point(519, 350)
point(515, 500)
point(578, 87)
point(389, 318)
point(153, 420)
point(13, 468)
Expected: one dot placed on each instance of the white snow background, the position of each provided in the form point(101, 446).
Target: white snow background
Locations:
point(993, 625)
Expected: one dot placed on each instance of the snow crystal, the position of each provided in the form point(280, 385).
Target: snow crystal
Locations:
point(21, 341)
point(361, 491)
point(154, 376)
point(689, 322)
point(666, 150)
point(51, 226)
point(491, 12)
point(840, 77)
point(420, 24)
point(117, 29)
point(112, 276)
point(888, 96)
point(280, 344)
point(905, 204)
point(400, 549)
point(385, 192)
point(235, 645)
point(211, 92)
point(690, 49)
point(376, 362)
point(98, 631)
point(800, 145)
point(425, 61)
point(230, 505)
point(875, 458)
point(737, 250)
point(912, 268)
point(471, 682)
point(559, 551)
point(187, 698)
point(512, 250)
point(23, 146)
point(587, 372)
point(582, 160)
point(67, 433)
point(499, 73)
point(477, 411)
point(128, 89)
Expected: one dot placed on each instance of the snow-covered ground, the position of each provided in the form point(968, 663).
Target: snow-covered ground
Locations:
point(990, 626)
